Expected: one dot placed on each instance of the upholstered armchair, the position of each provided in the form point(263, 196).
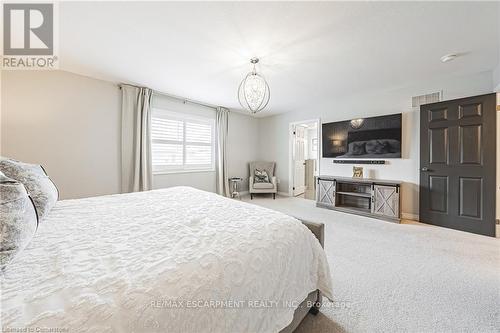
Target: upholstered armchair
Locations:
point(262, 187)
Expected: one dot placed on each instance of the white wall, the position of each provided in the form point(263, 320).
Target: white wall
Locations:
point(71, 124)
point(496, 78)
point(68, 123)
point(496, 72)
point(243, 146)
point(273, 131)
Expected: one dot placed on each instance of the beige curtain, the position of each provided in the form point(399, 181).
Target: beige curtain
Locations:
point(221, 129)
point(136, 139)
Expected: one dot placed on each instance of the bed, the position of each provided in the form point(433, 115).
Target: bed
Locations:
point(170, 260)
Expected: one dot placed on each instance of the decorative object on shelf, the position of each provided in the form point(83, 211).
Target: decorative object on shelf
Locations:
point(357, 123)
point(254, 92)
point(234, 186)
point(357, 172)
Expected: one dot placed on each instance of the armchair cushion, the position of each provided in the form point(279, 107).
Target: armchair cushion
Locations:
point(271, 187)
point(261, 186)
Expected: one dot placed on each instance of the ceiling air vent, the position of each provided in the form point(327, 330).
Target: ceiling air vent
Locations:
point(416, 101)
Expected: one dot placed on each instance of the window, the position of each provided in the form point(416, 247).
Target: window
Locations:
point(181, 143)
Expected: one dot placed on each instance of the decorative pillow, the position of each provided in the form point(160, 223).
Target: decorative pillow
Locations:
point(394, 145)
point(357, 148)
point(40, 188)
point(18, 219)
point(261, 176)
point(383, 146)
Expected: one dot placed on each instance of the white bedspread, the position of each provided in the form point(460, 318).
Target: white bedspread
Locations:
point(173, 260)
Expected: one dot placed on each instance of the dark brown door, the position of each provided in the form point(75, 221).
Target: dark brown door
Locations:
point(457, 164)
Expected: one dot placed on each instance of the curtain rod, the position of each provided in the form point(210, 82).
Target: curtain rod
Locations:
point(183, 100)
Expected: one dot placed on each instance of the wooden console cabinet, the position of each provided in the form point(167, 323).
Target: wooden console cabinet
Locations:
point(368, 197)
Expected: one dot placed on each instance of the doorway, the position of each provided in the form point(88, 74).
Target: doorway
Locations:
point(458, 164)
point(304, 158)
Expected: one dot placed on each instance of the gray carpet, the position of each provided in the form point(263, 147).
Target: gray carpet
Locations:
point(402, 277)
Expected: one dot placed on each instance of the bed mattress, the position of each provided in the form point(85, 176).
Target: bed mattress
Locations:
point(171, 260)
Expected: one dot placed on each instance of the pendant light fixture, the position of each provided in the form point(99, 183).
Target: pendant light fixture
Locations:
point(357, 123)
point(253, 92)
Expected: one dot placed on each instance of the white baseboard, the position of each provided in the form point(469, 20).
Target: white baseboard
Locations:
point(283, 194)
point(242, 193)
point(409, 216)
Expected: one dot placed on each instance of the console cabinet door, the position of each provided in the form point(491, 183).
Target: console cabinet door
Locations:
point(326, 192)
point(386, 201)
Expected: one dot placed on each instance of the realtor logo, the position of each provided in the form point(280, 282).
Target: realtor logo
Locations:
point(29, 36)
point(28, 29)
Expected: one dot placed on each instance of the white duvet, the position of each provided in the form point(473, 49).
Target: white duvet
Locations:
point(173, 260)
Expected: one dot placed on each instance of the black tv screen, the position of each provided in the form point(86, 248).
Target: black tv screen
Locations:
point(375, 137)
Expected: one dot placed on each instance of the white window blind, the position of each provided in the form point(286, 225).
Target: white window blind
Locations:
point(181, 143)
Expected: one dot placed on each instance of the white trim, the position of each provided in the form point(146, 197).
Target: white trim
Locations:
point(290, 149)
point(410, 216)
point(166, 172)
point(284, 194)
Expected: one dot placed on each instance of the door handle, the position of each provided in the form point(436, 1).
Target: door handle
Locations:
point(425, 169)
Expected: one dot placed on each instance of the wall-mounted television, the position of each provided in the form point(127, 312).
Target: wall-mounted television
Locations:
point(374, 137)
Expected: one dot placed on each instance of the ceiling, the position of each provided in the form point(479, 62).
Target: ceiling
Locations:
point(308, 50)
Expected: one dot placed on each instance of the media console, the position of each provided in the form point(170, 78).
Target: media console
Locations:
point(362, 196)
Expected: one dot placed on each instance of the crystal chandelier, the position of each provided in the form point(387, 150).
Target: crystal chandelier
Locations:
point(253, 92)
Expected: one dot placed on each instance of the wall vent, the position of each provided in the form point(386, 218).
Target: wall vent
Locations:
point(416, 101)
